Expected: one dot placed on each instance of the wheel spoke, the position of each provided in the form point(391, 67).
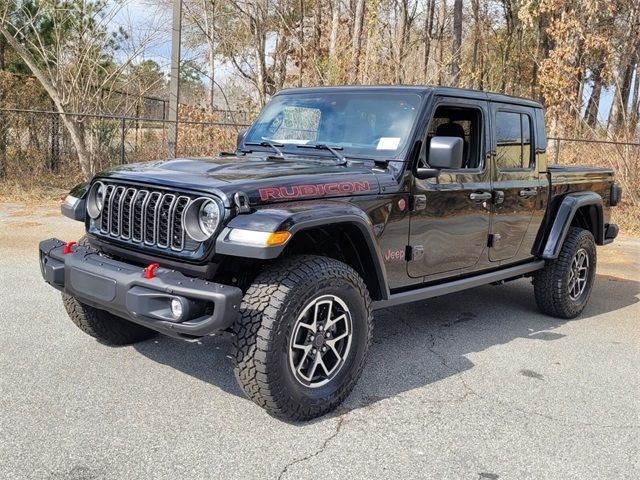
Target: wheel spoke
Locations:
point(317, 362)
point(307, 349)
point(334, 340)
point(331, 323)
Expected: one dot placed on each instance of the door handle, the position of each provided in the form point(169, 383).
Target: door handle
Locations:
point(528, 193)
point(480, 196)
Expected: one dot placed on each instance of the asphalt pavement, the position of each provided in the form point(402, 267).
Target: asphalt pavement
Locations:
point(474, 385)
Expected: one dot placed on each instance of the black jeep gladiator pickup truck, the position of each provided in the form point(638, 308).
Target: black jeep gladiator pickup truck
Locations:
point(338, 201)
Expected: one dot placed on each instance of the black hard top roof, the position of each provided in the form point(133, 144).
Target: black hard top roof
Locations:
point(420, 90)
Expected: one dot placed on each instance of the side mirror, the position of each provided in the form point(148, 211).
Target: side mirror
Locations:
point(446, 152)
point(240, 137)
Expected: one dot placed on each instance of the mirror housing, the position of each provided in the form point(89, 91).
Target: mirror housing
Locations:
point(445, 153)
point(240, 137)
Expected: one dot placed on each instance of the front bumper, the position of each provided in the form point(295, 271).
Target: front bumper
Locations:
point(121, 289)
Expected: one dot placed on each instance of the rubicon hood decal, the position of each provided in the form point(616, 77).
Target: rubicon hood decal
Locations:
point(313, 190)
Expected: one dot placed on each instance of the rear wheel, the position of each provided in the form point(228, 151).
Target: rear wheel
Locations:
point(103, 326)
point(563, 287)
point(303, 336)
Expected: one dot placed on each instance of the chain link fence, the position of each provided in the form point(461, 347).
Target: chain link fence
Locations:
point(35, 148)
point(34, 142)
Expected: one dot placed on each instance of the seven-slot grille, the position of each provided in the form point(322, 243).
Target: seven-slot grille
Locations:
point(144, 216)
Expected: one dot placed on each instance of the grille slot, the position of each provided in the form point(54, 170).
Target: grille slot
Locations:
point(146, 217)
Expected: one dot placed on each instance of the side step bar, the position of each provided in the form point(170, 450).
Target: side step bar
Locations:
point(457, 285)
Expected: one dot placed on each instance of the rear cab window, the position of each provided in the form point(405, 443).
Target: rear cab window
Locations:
point(514, 150)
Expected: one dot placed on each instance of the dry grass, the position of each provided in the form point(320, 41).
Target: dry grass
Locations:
point(43, 189)
point(628, 219)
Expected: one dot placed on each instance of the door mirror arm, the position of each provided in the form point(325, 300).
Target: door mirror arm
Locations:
point(423, 173)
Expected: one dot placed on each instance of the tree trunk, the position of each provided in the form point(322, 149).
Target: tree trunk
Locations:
point(335, 25)
point(428, 34)
point(401, 36)
point(635, 103)
point(440, 44)
point(475, 6)
point(2, 50)
point(3, 123)
point(356, 42)
point(621, 99)
point(74, 132)
point(591, 113)
point(212, 75)
point(371, 36)
point(457, 42)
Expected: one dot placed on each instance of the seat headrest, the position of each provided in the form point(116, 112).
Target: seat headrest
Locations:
point(450, 130)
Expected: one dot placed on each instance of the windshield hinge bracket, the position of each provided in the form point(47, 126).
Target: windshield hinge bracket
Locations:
point(241, 200)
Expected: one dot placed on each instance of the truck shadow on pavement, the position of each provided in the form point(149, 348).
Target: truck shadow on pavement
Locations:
point(416, 344)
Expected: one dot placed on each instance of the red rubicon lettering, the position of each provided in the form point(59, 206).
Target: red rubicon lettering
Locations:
point(318, 190)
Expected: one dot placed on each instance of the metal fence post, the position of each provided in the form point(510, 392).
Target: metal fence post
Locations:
point(174, 79)
point(122, 150)
point(54, 160)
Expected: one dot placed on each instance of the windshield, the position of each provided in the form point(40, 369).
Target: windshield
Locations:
point(375, 125)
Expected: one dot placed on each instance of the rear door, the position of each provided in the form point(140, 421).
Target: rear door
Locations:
point(515, 179)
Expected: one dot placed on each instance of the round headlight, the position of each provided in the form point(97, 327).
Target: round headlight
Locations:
point(95, 199)
point(209, 217)
point(202, 218)
point(100, 194)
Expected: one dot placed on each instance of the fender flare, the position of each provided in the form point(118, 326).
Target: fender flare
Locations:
point(296, 218)
point(564, 215)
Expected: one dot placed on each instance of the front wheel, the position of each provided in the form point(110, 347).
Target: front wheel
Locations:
point(303, 336)
point(101, 325)
point(563, 287)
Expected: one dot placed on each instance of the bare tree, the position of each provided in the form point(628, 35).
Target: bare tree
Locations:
point(76, 65)
point(356, 41)
point(457, 42)
point(335, 25)
point(428, 35)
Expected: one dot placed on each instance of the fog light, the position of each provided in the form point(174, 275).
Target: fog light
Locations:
point(176, 308)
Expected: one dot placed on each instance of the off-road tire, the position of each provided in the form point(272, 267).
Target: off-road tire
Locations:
point(103, 326)
point(551, 283)
point(268, 315)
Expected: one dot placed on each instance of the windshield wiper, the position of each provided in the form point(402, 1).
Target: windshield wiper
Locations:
point(268, 143)
point(324, 146)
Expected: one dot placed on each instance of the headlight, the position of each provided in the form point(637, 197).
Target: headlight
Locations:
point(202, 218)
point(209, 217)
point(95, 199)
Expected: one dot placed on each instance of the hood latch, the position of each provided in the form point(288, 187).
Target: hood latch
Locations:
point(241, 200)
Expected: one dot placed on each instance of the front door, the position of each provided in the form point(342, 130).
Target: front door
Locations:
point(516, 185)
point(450, 214)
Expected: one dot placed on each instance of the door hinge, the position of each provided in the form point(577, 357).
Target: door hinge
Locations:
point(494, 240)
point(417, 203)
point(414, 252)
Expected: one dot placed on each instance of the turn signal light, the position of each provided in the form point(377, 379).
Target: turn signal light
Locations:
point(278, 238)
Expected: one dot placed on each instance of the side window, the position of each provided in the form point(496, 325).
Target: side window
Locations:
point(513, 141)
point(458, 122)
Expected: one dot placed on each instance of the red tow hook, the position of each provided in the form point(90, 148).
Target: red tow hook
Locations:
point(149, 272)
point(67, 248)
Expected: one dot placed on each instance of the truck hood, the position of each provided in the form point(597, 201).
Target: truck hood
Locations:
point(264, 180)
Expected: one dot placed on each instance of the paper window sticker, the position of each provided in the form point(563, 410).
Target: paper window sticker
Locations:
point(388, 143)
